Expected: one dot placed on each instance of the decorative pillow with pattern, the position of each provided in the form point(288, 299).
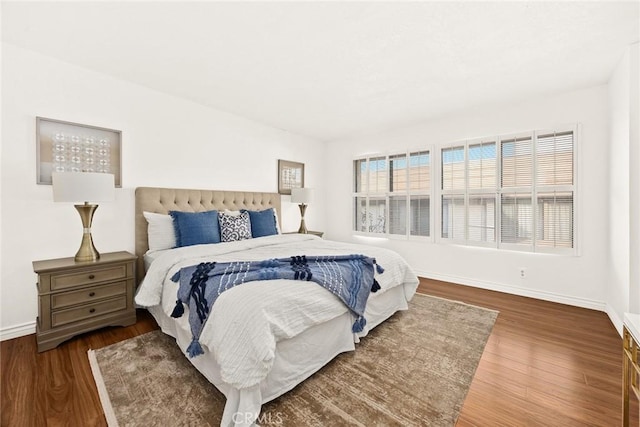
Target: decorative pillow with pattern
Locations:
point(234, 227)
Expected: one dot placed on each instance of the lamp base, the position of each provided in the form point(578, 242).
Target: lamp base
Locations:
point(87, 251)
point(303, 226)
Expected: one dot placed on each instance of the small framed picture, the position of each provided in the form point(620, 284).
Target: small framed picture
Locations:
point(72, 147)
point(290, 175)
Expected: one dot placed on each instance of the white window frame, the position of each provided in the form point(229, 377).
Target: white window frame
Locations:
point(534, 189)
point(388, 194)
point(367, 195)
point(442, 192)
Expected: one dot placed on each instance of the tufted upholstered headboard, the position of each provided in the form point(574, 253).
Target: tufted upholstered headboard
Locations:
point(162, 200)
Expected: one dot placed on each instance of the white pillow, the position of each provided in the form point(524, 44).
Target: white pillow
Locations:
point(275, 214)
point(161, 233)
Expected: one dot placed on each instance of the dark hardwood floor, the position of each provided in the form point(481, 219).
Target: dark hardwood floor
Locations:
point(545, 364)
point(56, 387)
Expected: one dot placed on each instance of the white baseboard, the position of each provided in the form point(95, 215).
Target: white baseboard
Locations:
point(615, 319)
point(17, 331)
point(524, 292)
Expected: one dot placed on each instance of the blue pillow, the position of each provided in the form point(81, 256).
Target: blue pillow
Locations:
point(263, 223)
point(195, 228)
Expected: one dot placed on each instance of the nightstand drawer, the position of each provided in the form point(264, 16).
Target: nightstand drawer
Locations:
point(95, 275)
point(63, 317)
point(95, 293)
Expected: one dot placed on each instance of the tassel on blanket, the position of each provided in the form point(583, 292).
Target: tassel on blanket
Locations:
point(194, 349)
point(176, 277)
point(178, 310)
point(358, 325)
point(379, 268)
point(376, 286)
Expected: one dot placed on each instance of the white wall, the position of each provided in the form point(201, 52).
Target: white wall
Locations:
point(167, 141)
point(617, 287)
point(623, 287)
point(634, 166)
point(575, 280)
point(1, 127)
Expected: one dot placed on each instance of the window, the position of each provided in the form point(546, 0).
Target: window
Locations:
point(522, 186)
point(370, 199)
point(398, 194)
point(469, 192)
point(420, 193)
point(554, 190)
point(392, 194)
point(513, 192)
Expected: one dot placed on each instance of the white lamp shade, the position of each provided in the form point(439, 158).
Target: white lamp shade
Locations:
point(301, 195)
point(79, 187)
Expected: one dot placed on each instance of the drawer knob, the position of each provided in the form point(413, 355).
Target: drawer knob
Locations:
point(92, 276)
point(93, 310)
point(92, 294)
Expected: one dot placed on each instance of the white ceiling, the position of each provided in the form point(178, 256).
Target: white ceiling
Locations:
point(334, 69)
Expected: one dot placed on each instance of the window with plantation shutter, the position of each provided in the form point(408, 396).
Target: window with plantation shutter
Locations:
point(398, 215)
point(420, 211)
point(378, 175)
point(398, 194)
point(469, 186)
point(420, 193)
point(453, 169)
point(453, 185)
point(481, 226)
point(453, 217)
point(482, 166)
point(420, 171)
point(392, 194)
point(554, 220)
point(554, 159)
point(360, 175)
point(554, 189)
point(376, 211)
point(517, 162)
point(398, 173)
point(516, 178)
point(513, 192)
point(517, 218)
point(370, 187)
point(361, 222)
point(481, 202)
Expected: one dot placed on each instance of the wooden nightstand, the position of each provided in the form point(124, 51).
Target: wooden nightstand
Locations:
point(76, 297)
point(315, 233)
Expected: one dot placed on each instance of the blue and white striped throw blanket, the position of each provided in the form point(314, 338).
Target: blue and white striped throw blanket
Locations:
point(349, 277)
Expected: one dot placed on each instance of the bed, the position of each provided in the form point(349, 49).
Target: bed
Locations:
point(264, 337)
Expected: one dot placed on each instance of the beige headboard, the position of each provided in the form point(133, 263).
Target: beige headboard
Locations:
point(163, 200)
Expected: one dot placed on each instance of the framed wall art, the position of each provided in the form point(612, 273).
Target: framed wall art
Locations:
point(290, 175)
point(72, 147)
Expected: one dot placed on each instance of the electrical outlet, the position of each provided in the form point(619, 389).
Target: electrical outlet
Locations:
point(523, 272)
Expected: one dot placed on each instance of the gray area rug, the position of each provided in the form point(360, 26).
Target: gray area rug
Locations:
point(413, 370)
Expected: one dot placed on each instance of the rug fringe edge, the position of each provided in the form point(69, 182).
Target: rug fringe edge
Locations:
point(458, 302)
point(107, 408)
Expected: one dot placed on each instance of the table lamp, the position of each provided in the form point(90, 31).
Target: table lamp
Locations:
point(84, 187)
point(301, 196)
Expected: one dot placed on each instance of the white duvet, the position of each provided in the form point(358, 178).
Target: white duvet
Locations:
point(248, 320)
